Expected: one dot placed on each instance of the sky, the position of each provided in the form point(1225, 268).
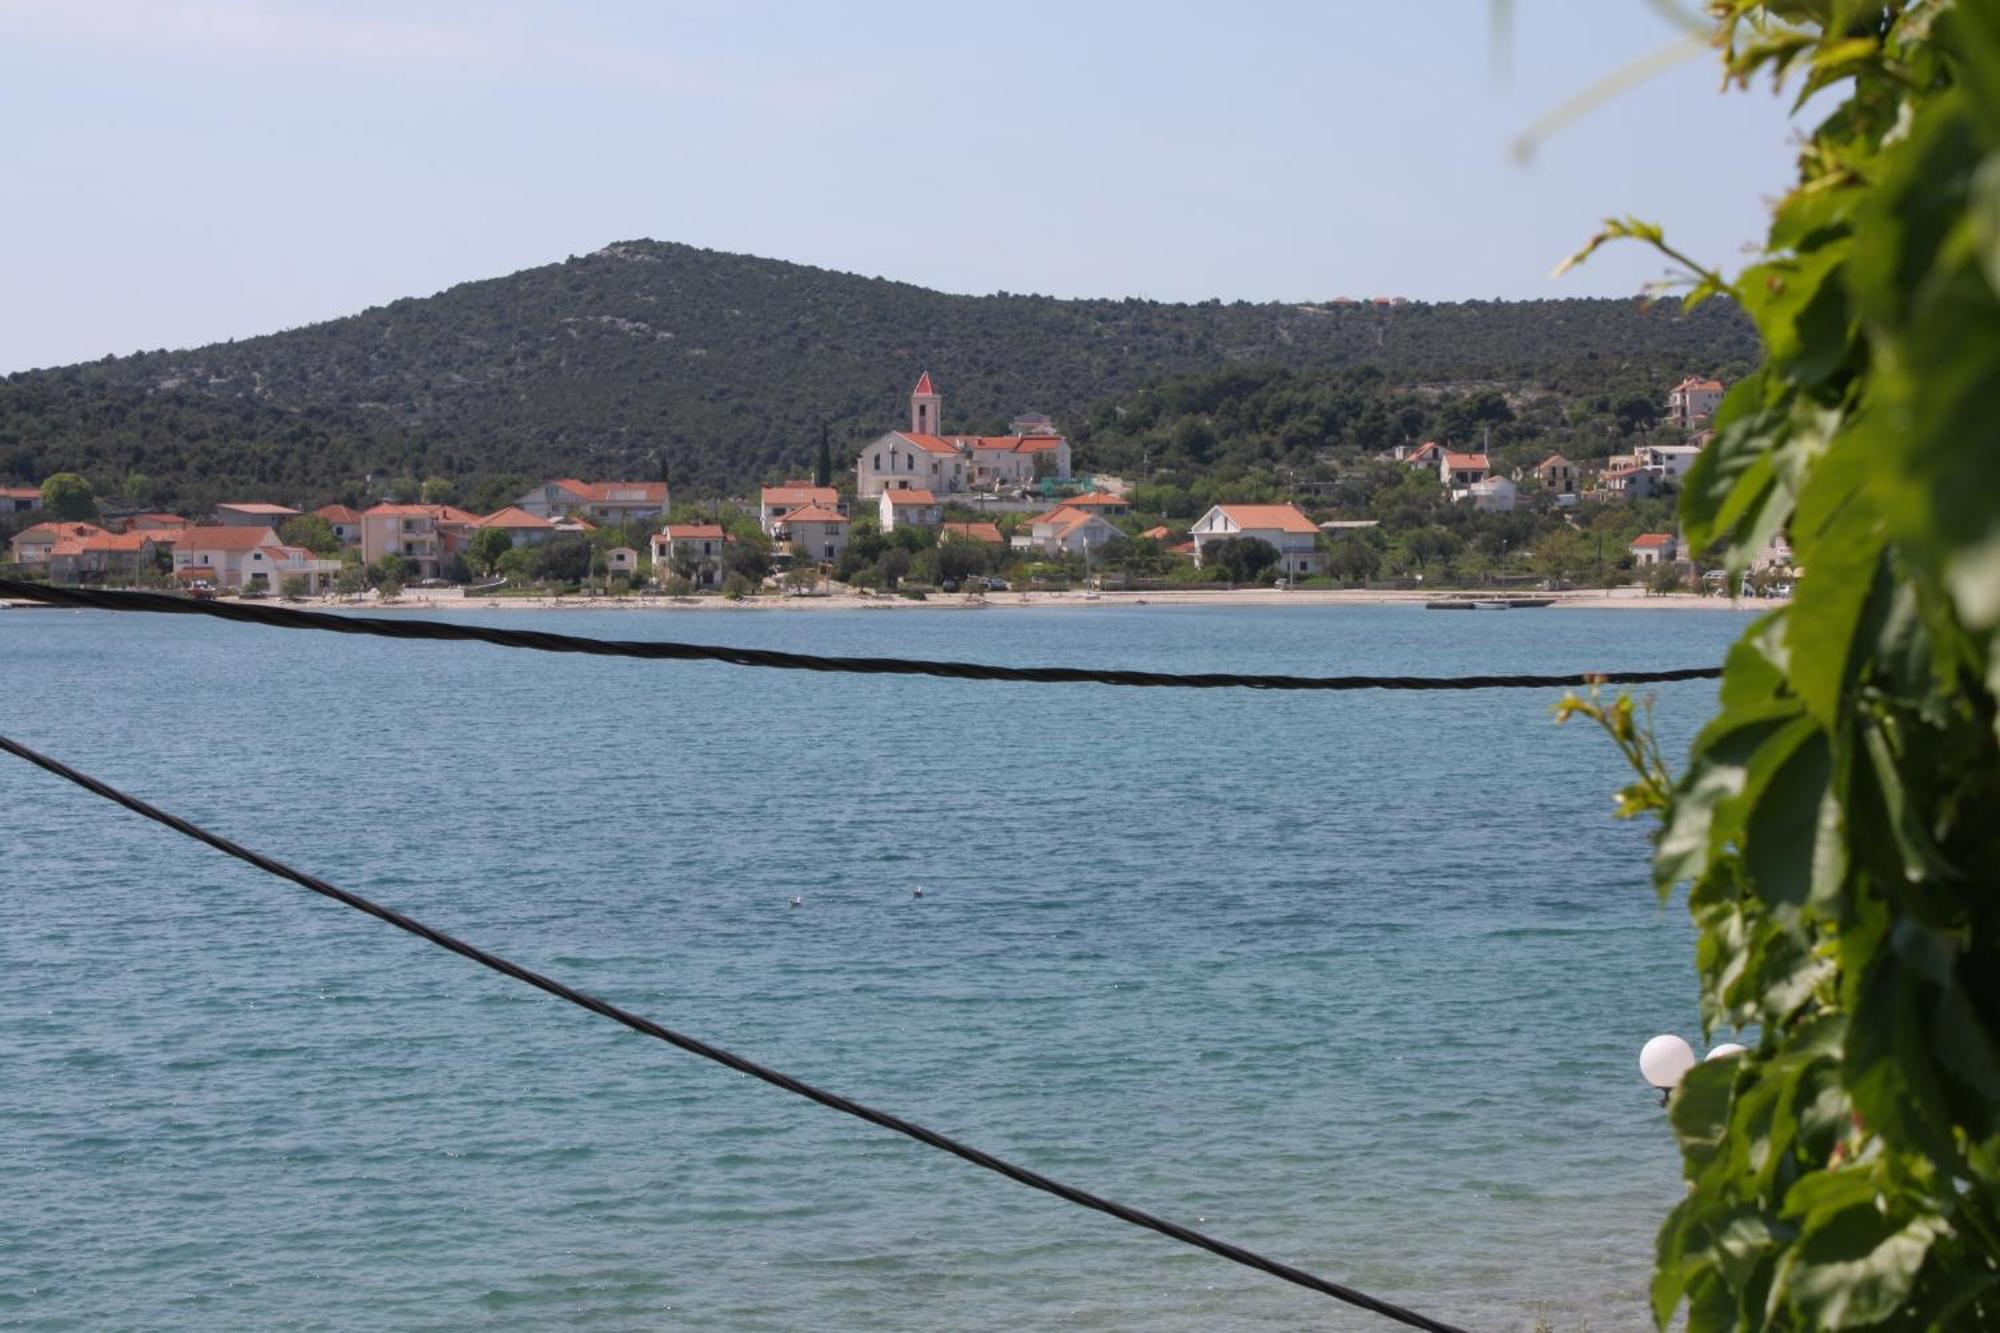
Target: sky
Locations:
point(177, 172)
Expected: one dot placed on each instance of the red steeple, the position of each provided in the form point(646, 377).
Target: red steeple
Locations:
point(924, 384)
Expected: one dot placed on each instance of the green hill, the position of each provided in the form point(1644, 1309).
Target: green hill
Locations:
point(722, 367)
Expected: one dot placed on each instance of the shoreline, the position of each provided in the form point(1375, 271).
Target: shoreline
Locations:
point(1613, 599)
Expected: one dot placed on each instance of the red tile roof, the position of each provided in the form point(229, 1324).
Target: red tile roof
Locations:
point(924, 384)
point(259, 509)
point(1465, 462)
point(801, 493)
point(1158, 534)
point(814, 514)
point(158, 521)
point(338, 514)
point(402, 511)
point(930, 444)
point(225, 539)
point(21, 492)
point(1098, 500)
point(1654, 539)
point(912, 497)
point(617, 492)
point(1285, 518)
point(976, 532)
point(1695, 382)
point(511, 517)
point(681, 532)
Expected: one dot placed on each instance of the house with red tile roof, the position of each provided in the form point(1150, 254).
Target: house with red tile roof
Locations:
point(986, 534)
point(157, 523)
point(813, 534)
point(31, 546)
point(912, 508)
point(20, 499)
point(599, 501)
point(525, 528)
point(777, 501)
point(692, 550)
point(345, 522)
point(1284, 528)
point(233, 558)
point(1067, 530)
point(104, 557)
point(1654, 548)
point(1692, 403)
point(1101, 502)
point(1459, 471)
point(924, 458)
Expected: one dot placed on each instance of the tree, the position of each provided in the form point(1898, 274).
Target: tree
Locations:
point(564, 558)
point(312, 532)
point(349, 581)
point(823, 464)
point(294, 586)
point(488, 545)
point(137, 491)
point(1242, 558)
point(747, 560)
point(68, 498)
point(517, 564)
point(1433, 544)
point(438, 491)
point(1353, 559)
point(391, 568)
point(1838, 822)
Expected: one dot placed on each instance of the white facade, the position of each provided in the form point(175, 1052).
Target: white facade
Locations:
point(1693, 402)
point(924, 458)
point(915, 508)
point(1495, 495)
point(1668, 462)
point(1067, 531)
point(1283, 527)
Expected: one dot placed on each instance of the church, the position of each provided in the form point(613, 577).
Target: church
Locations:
point(923, 458)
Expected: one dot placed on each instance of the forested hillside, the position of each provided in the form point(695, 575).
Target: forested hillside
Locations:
point(721, 367)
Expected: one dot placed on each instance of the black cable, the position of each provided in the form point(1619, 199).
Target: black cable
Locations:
point(695, 1046)
point(396, 628)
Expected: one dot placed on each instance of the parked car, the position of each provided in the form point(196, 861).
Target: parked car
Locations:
point(201, 592)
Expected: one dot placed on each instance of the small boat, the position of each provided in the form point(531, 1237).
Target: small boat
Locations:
point(1492, 604)
point(1451, 604)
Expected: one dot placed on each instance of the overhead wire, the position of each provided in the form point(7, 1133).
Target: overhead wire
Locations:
point(708, 1051)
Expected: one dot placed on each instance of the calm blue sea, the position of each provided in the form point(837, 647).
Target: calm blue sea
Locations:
point(1357, 980)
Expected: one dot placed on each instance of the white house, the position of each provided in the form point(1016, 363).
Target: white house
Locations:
point(621, 562)
point(1692, 402)
point(524, 528)
point(694, 549)
point(345, 522)
point(1066, 530)
point(598, 501)
point(1284, 527)
point(777, 501)
point(1458, 471)
point(1494, 495)
point(916, 508)
point(817, 533)
point(231, 557)
point(924, 458)
point(1654, 548)
point(1668, 462)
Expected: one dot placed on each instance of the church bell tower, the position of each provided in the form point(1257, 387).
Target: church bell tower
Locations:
point(926, 408)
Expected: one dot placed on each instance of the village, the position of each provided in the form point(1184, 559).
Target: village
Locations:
point(920, 513)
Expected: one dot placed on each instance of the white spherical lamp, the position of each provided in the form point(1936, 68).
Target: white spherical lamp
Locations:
point(1665, 1060)
point(1727, 1049)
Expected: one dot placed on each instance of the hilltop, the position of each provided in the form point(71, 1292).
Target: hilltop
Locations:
point(722, 367)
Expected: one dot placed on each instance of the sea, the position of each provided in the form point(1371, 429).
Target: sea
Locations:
point(1358, 981)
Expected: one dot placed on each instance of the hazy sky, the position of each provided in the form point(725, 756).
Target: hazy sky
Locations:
point(181, 171)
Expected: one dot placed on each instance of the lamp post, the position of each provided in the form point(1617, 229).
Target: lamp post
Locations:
point(1666, 1059)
